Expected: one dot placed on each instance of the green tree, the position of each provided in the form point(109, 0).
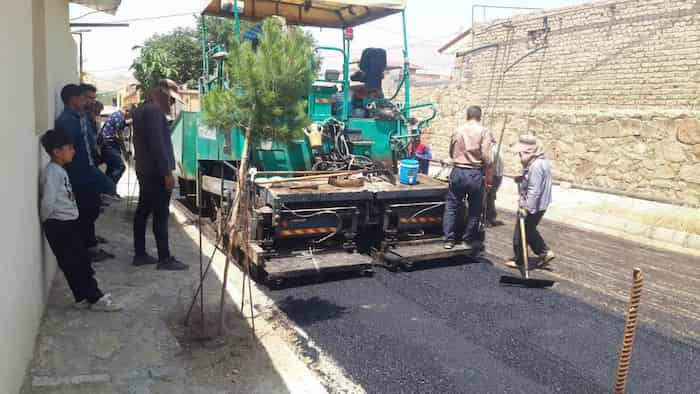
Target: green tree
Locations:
point(178, 54)
point(221, 30)
point(270, 83)
point(152, 65)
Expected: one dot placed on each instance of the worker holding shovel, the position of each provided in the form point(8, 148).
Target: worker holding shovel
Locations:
point(535, 188)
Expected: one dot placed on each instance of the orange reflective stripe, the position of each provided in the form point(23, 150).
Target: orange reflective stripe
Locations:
point(424, 219)
point(307, 231)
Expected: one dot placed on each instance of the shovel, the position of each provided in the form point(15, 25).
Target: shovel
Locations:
point(525, 280)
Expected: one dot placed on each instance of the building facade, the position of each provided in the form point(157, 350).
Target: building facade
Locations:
point(611, 87)
point(39, 56)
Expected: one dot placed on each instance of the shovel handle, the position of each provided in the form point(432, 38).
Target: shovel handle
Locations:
point(523, 243)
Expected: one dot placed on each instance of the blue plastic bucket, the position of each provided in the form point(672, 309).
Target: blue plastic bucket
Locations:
point(408, 172)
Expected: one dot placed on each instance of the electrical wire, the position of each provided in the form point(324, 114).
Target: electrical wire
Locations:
point(326, 212)
point(428, 209)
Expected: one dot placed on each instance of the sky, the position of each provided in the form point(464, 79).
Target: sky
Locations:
point(431, 23)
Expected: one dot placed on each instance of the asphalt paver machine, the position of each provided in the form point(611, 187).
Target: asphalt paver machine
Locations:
point(314, 223)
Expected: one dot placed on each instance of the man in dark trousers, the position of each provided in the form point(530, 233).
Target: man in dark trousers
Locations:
point(470, 151)
point(111, 142)
point(535, 188)
point(155, 161)
point(82, 170)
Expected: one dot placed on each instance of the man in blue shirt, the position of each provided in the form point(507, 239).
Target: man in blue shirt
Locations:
point(111, 142)
point(82, 170)
point(105, 186)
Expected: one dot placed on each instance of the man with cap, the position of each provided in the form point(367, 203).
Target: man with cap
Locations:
point(472, 175)
point(535, 188)
point(155, 162)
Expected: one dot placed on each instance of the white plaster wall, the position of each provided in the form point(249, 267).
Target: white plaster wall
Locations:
point(62, 53)
point(26, 264)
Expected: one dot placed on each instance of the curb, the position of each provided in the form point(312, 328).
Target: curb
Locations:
point(274, 332)
point(658, 237)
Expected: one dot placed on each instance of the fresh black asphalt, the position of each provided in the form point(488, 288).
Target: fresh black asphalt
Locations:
point(454, 329)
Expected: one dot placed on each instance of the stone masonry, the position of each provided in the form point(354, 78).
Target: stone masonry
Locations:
point(611, 88)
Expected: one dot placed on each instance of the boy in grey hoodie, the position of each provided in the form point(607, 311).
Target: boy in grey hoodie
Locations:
point(535, 186)
point(59, 216)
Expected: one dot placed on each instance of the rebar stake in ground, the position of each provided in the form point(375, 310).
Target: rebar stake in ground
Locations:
point(623, 364)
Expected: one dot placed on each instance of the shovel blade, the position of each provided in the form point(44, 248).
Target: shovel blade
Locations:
point(531, 283)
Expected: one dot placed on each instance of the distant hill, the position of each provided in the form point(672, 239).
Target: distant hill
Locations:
point(111, 81)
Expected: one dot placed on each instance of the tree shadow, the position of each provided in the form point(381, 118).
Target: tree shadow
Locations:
point(310, 310)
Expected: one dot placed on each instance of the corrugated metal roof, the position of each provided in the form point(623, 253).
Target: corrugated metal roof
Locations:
point(107, 6)
point(322, 13)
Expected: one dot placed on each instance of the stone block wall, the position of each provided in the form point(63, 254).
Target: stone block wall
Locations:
point(611, 88)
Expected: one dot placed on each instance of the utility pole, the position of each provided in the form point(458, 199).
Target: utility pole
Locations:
point(79, 33)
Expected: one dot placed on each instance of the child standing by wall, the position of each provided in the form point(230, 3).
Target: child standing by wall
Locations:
point(59, 215)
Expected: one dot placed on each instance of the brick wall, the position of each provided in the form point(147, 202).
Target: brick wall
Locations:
point(612, 88)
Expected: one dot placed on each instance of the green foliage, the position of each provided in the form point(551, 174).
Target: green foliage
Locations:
point(152, 65)
point(216, 109)
point(271, 83)
point(221, 30)
point(177, 55)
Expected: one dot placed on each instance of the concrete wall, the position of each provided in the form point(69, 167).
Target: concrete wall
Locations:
point(612, 88)
point(28, 31)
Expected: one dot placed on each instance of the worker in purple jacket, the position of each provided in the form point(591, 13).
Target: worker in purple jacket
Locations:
point(535, 186)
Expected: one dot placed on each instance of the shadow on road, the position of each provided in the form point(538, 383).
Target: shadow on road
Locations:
point(310, 310)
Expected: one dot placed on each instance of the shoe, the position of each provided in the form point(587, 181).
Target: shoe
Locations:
point(471, 245)
point(495, 223)
point(172, 264)
point(101, 240)
point(449, 245)
point(99, 255)
point(103, 204)
point(144, 260)
point(512, 264)
point(546, 258)
point(111, 197)
point(105, 304)
point(84, 304)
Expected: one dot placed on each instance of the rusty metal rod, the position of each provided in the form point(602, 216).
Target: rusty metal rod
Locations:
point(267, 181)
point(259, 173)
point(623, 364)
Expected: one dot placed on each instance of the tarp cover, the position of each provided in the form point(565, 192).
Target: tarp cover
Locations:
point(322, 13)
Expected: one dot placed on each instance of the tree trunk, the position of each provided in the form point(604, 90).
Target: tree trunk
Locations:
point(242, 174)
point(232, 227)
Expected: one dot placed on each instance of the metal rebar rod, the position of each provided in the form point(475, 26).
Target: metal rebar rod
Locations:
point(222, 298)
point(201, 270)
point(201, 284)
point(623, 364)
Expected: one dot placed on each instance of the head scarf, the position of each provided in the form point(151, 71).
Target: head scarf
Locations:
point(529, 149)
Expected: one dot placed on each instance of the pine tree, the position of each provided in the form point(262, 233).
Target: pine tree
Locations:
point(267, 96)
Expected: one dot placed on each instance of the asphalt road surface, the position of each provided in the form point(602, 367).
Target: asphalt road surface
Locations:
point(454, 329)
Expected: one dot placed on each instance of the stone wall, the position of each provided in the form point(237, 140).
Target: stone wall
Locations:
point(611, 88)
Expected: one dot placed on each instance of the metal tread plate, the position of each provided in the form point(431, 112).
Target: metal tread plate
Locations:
point(289, 192)
point(426, 187)
point(379, 188)
point(411, 252)
point(307, 264)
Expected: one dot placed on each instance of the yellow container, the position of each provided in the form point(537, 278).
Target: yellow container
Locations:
point(315, 135)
